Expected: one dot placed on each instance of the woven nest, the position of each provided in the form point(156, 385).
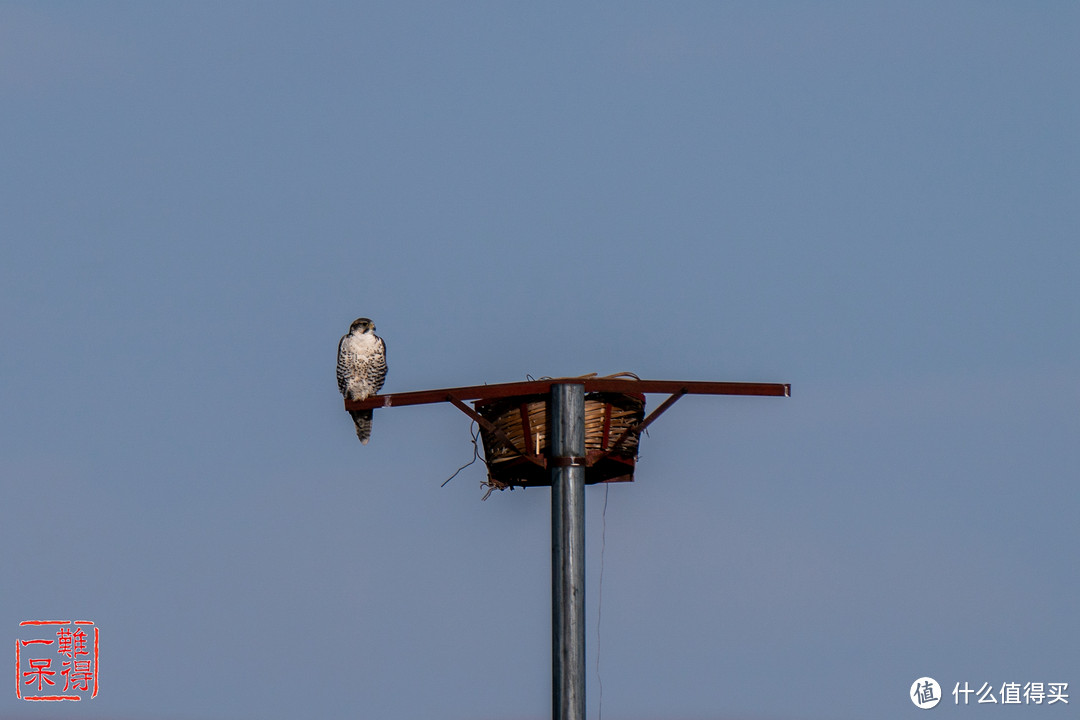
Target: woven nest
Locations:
point(522, 422)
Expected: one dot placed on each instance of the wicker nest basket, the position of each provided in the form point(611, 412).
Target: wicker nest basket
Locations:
point(516, 455)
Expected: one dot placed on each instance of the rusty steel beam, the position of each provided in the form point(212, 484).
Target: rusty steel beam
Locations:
point(639, 427)
point(494, 430)
point(541, 387)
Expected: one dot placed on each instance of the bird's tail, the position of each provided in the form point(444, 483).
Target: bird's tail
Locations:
point(362, 419)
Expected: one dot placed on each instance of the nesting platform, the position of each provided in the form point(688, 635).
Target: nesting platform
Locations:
point(516, 448)
point(514, 424)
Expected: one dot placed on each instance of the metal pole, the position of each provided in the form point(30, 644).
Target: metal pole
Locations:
point(567, 456)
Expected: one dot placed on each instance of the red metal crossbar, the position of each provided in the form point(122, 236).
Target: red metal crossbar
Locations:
point(540, 387)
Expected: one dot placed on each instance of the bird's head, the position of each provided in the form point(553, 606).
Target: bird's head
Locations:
point(362, 325)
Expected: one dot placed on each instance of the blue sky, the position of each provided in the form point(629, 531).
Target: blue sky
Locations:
point(876, 202)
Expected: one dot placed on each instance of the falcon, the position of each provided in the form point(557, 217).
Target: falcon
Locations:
point(361, 370)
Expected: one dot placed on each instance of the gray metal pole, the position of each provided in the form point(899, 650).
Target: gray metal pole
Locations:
point(567, 413)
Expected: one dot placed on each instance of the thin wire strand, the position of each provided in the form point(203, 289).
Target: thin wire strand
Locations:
point(475, 450)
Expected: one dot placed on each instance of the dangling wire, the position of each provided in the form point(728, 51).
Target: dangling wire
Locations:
point(475, 450)
point(600, 599)
point(491, 487)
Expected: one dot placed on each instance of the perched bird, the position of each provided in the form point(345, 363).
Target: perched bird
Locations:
point(361, 370)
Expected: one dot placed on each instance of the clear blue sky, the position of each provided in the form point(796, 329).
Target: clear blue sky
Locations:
point(876, 202)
